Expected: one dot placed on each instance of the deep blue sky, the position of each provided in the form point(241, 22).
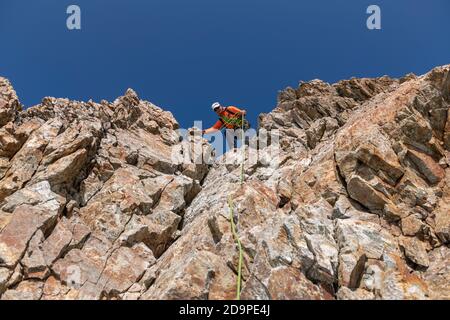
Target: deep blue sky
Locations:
point(182, 55)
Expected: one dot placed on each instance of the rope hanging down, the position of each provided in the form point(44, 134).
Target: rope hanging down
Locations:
point(238, 242)
point(231, 211)
point(233, 226)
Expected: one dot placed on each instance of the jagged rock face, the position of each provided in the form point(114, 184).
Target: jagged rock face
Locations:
point(93, 205)
point(90, 194)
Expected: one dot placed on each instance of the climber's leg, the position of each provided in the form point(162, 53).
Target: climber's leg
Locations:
point(230, 137)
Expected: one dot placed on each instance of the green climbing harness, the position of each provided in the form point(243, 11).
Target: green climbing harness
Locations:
point(235, 121)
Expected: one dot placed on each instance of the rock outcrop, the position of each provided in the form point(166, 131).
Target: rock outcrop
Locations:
point(97, 200)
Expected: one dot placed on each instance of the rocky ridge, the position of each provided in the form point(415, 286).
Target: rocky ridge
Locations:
point(95, 202)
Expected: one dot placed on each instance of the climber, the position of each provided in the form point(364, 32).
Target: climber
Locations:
point(229, 118)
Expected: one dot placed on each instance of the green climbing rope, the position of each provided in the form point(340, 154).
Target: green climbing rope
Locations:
point(236, 237)
point(233, 226)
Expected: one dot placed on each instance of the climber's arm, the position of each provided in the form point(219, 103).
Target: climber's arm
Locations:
point(216, 127)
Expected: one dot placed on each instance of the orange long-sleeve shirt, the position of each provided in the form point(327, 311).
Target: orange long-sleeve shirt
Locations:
point(229, 118)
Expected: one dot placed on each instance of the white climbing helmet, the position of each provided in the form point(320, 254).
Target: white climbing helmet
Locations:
point(215, 105)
